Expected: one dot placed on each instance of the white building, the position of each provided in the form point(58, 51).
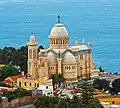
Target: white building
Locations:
point(43, 90)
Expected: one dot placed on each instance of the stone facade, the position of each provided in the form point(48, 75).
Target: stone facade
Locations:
point(73, 62)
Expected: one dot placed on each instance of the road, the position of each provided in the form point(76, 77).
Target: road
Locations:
point(27, 106)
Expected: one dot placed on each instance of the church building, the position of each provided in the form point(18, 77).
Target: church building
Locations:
point(72, 62)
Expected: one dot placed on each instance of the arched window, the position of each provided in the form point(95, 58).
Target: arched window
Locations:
point(81, 57)
point(19, 84)
point(25, 84)
point(29, 64)
point(29, 84)
point(65, 41)
point(65, 67)
point(61, 42)
point(81, 68)
point(35, 84)
point(73, 67)
point(30, 53)
point(56, 41)
point(52, 41)
point(69, 67)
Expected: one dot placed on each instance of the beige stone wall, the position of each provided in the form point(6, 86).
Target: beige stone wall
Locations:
point(42, 66)
point(41, 71)
point(90, 63)
point(46, 68)
point(32, 50)
point(84, 65)
point(52, 69)
point(81, 64)
point(32, 61)
point(70, 71)
point(60, 68)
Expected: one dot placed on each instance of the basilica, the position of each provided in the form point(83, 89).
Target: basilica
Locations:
point(72, 62)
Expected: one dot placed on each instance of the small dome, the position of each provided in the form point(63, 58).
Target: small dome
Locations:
point(59, 30)
point(32, 40)
point(69, 58)
point(52, 58)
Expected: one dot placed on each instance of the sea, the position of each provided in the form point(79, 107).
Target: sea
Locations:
point(97, 21)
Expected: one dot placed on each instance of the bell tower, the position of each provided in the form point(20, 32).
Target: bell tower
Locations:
point(32, 57)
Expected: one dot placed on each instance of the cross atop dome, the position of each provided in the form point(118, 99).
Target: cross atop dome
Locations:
point(58, 18)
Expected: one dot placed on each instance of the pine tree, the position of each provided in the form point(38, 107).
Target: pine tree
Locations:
point(86, 89)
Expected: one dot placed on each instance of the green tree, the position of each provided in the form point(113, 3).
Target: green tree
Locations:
point(116, 85)
point(57, 79)
point(6, 55)
point(87, 90)
point(62, 103)
point(75, 102)
point(94, 103)
point(11, 97)
point(4, 85)
point(101, 69)
point(17, 93)
point(8, 70)
point(19, 58)
point(101, 84)
point(41, 47)
point(20, 92)
point(46, 102)
point(55, 102)
point(3, 58)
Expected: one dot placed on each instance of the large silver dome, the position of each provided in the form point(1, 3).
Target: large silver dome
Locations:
point(59, 30)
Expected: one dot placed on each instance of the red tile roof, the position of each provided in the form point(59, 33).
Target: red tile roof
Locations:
point(12, 78)
point(7, 80)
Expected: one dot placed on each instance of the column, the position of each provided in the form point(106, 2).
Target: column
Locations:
point(59, 65)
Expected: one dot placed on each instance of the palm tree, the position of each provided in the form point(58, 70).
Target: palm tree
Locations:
point(61, 79)
point(57, 79)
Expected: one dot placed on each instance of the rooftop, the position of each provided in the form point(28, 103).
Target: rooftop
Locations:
point(79, 47)
point(108, 76)
point(12, 78)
